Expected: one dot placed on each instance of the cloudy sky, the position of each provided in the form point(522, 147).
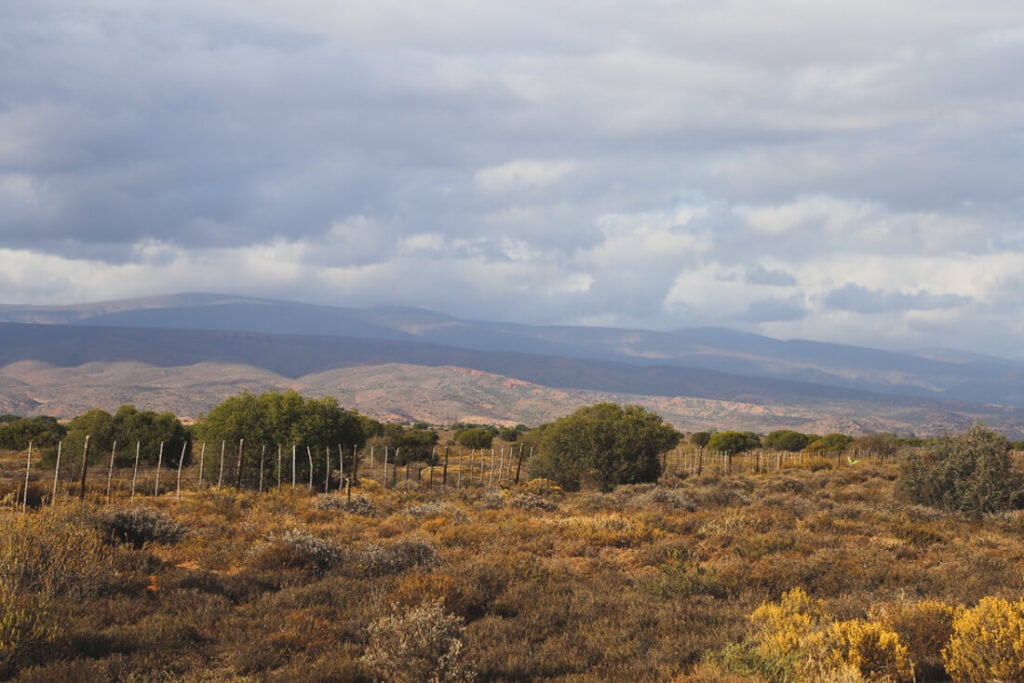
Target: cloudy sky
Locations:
point(847, 171)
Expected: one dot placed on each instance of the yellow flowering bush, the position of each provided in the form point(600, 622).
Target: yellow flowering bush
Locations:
point(987, 643)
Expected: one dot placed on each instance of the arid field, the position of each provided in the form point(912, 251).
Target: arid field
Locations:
point(645, 583)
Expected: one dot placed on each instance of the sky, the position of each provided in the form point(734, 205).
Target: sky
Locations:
point(841, 171)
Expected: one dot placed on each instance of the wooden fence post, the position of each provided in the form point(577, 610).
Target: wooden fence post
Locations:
point(202, 461)
point(490, 479)
point(135, 471)
point(110, 470)
point(159, 463)
point(220, 474)
point(28, 469)
point(85, 468)
point(309, 454)
point(371, 461)
point(238, 475)
point(327, 476)
point(278, 467)
point(56, 475)
point(263, 454)
point(444, 470)
point(293, 466)
point(181, 459)
point(385, 479)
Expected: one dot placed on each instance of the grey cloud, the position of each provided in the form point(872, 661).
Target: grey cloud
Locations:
point(351, 129)
point(774, 309)
point(773, 278)
point(852, 297)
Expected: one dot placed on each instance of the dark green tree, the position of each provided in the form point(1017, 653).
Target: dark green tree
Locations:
point(44, 432)
point(475, 437)
point(786, 440)
point(605, 443)
point(733, 442)
point(830, 443)
point(700, 439)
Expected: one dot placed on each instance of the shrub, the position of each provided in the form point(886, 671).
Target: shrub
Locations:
point(733, 442)
point(781, 629)
point(786, 440)
point(423, 643)
point(375, 559)
point(830, 443)
point(862, 646)
point(297, 549)
point(139, 526)
point(27, 628)
point(606, 443)
point(969, 473)
point(358, 505)
point(54, 553)
point(987, 642)
point(925, 627)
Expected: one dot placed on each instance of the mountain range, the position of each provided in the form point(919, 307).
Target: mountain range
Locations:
point(215, 345)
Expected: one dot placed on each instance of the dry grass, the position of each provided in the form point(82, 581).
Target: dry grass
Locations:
point(642, 583)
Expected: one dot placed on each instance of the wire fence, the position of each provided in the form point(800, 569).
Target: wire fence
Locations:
point(37, 478)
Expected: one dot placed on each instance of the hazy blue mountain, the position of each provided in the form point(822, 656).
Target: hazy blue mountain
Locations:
point(943, 375)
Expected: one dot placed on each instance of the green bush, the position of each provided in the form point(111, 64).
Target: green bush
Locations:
point(733, 442)
point(606, 443)
point(969, 473)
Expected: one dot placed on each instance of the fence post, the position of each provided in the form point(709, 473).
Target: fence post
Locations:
point(341, 463)
point(490, 478)
point(56, 475)
point(444, 470)
point(263, 453)
point(85, 468)
point(220, 474)
point(202, 461)
point(371, 461)
point(110, 471)
point(28, 469)
point(355, 466)
point(135, 472)
point(278, 467)
point(462, 465)
point(327, 466)
point(309, 454)
point(181, 460)
point(385, 479)
point(238, 475)
point(433, 457)
point(519, 462)
point(159, 464)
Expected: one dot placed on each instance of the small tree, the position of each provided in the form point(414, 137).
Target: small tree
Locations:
point(607, 443)
point(786, 440)
point(969, 473)
point(733, 442)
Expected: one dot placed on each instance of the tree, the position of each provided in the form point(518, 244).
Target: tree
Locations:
point(475, 437)
point(607, 443)
point(700, 439)
point(148, 430)
point(733, 442)
point(43, 431)
point(970, 473)
point(786, 440)
point(830, 443)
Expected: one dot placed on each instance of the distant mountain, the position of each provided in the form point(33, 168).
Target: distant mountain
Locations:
point(945, 375)
point(729, 373)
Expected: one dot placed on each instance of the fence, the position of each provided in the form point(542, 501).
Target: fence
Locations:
point(174, 469)
point(179, 468)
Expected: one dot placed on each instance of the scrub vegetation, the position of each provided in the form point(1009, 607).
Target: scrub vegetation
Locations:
point(824, 570)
